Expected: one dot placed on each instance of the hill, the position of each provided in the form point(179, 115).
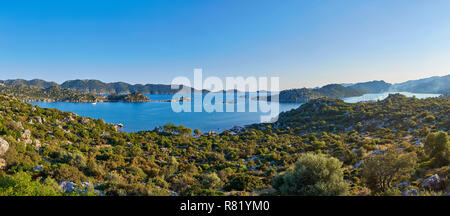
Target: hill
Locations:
point(101, 88)
point(50, 152)
point(338, 91)
point(371, 87)
point(330, 91)
point(58, 94)
point(434, 85)
point(98, 87)
point(35, 82)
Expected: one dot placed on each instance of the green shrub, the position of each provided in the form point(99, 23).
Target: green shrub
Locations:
point(312, 175)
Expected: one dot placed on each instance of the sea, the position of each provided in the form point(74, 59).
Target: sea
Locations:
point(146, 116)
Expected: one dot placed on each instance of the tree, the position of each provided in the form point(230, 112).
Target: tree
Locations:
point(197, 132)
point(312, 175)
point(211, 181)
point(21, 184)
point(242, 182)
point(382, 170)
point(437, 146)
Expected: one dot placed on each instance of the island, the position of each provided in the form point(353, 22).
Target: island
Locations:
point(58, 94)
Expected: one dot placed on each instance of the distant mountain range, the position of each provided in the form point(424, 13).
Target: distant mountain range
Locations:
point(432, 85)
point(98, 87)
point(435, 84)
point(58, 94)
point(303, 95)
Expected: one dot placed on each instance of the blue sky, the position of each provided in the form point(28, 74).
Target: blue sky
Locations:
point(306, 43)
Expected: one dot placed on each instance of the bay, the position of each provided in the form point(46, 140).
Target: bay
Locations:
point(146, 116)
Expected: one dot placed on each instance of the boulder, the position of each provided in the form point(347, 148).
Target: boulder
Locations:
point(85, 121)
point(18, 125)
point(377, 152)
point(237, 129)
point(87, 186)
point(410, 192)
point(38, 119)
point(358, 164)
point(67, 187)
point(38, 168)
point(37, 144)
point(2, 163)
point(433, 182)
point(4, 146)
point(402, 185)
point(26, 137)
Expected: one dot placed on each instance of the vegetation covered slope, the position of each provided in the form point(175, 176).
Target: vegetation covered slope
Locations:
point(58, 94)
point(98, 87)
point(133, 98)
point(305, 95)
point(51, 94)
point(338, 91)
point(298, 95)
point(438, 85)
point(35, 83)
point(372, 86)
point(63, 153)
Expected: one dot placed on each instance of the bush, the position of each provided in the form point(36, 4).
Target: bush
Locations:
point(312, 175)
point(437, 146)
point(21, 184)
point(242, 182)
point(211, 181)
point(381, 171)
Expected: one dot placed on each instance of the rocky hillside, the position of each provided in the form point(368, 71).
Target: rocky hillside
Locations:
point(51, 94)
point(402, 141)
point(58, 94)
point(97, 87)
point(396, 112)
point(101, 88)
point(131, 98)
point(305, 95)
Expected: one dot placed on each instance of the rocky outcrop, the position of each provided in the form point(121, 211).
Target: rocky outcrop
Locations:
point(2, 163)
point(4, 146)
point(38, 168)
point(402, 185)
point(37, 144)
point(26, 137)
point(410, 192)
point(69, 187)
point(358, 164)
point(433, 182)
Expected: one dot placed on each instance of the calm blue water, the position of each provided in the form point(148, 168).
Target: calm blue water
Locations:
point(381, 96)
point(147, 116)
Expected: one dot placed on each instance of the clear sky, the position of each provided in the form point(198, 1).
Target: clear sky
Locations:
point(306, 43)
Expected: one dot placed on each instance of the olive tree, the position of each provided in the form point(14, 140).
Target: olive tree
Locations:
point(312, 175)
point(437, 146)
point(380, 171)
